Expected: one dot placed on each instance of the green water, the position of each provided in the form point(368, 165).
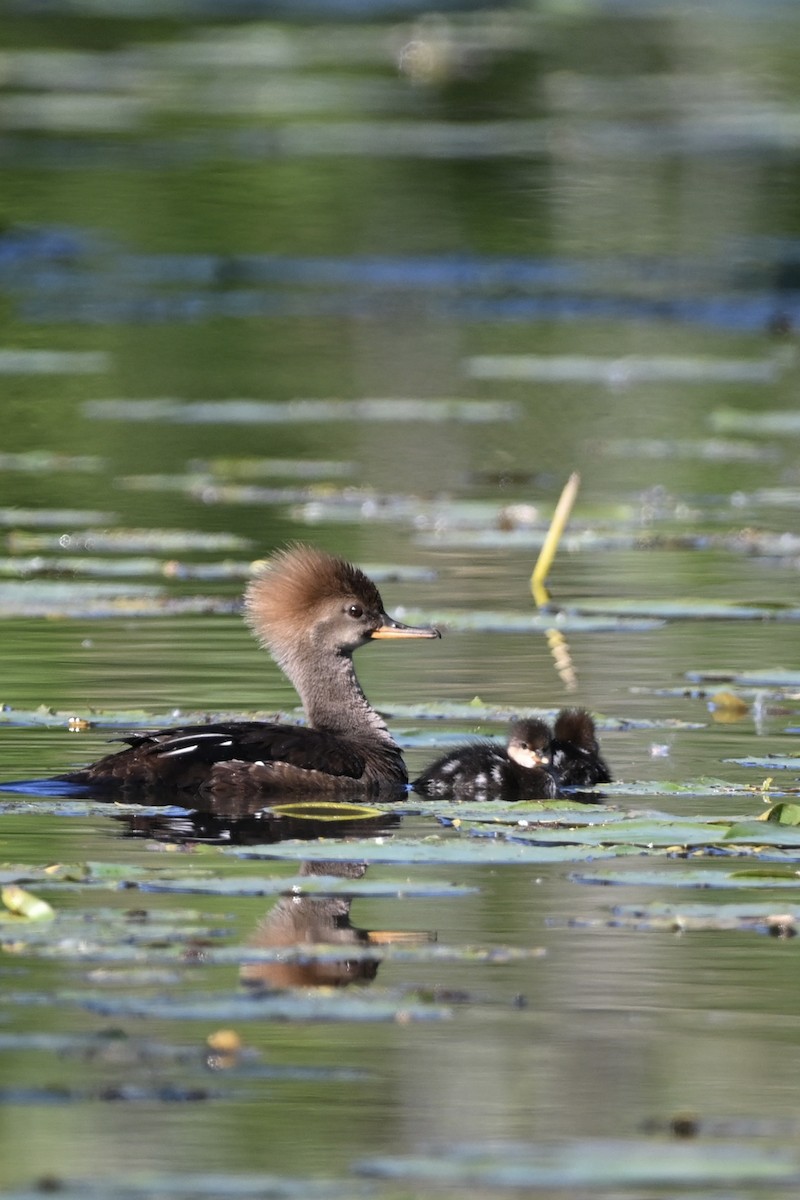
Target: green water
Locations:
point(273, 212)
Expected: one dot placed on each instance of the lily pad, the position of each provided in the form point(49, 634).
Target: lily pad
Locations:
point(82, 566)
point(622, 372)
point(210, 1185)
point(657, 831)
point(129, 603)
point(778, 677)
point(120, 541)
point(774, 875)
point(765, 918)
point(652, 788)
point(17, 518)
point(54, 362)
point(495, 812)
point(770, 424)
point(265, 468)
point(303, 885)
point(768, 762)
point(592, 1164)
point(692, 610)
point(301, 412)
point(469, 851)
point(45, 462)
point(377, 1004)
point(702, 449)
point(477, 621)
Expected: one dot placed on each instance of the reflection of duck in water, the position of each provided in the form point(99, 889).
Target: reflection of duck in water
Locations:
point(575, 752)
point(488, 771)
point(311, 612)
point(535, 764)
point(296, 921)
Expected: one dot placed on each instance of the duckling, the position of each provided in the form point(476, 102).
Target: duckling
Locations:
point(574, 751)
point(488, 771)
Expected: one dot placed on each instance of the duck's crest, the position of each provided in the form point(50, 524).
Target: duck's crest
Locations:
point(296, 580)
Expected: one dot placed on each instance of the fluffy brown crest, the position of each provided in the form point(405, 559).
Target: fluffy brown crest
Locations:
point(295, 582)
point(576, 726)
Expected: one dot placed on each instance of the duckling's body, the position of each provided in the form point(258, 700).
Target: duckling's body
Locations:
point(488, 771)
point(311, 612)
point(575, 752)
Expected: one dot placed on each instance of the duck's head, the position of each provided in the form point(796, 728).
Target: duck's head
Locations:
point(305, 598)
point(528, 743)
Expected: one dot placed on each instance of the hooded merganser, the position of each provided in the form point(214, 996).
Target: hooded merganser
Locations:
point(575, 757)
point(311, 612)
point(486, 771)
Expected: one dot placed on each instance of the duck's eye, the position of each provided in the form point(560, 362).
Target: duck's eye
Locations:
point(355, 611)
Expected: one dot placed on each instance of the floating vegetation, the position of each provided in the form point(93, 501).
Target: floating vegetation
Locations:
point(302, 885)
point(224, 1007)
point(477, 621)
point(183, 1185)
point(265, 412)
point(750, 423)
point(650, 788)
point(772, 875)
point(739, 917)
point(435, 849)
point(474, 715)
point(702, 449)
point(40, 565)
point(592, 1164)
point(769, 762)
point(267, 468)
point(689, 610)
point(124, 718)
point(623, 372)
point(522, 813)
point(42, 517)
point(24, 904)
point(117, 541)
point(780, 678)
point(213, 491)
point(46, 462)
point(82, 601)
point(654, 831)
point(54, 362)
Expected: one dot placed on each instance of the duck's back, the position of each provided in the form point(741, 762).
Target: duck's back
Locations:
point(262, 755)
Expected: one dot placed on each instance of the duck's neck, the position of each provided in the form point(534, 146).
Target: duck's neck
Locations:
point(333, 700)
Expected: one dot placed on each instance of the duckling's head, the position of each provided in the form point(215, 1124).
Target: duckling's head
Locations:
point(306, 600)
point(528, 742)
point(575, 725)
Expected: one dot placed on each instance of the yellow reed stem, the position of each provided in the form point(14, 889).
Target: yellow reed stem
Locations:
point(548, 551)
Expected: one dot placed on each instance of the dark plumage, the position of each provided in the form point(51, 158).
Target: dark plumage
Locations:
point(311, 612)
point(575, 757)
point(488, 771)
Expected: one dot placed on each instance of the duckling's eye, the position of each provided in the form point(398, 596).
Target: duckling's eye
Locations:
point(355, 611)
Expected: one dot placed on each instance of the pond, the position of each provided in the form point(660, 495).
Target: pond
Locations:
point(381, 285)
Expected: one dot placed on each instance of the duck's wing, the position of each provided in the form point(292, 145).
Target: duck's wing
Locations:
point(183, 758)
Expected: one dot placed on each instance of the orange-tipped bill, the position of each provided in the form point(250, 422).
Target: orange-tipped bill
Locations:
point(393, 629)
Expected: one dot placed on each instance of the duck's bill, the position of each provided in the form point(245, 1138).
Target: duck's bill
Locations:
point(393, 629)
